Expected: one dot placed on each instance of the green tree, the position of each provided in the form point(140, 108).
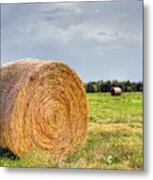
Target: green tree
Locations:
point(90, 87)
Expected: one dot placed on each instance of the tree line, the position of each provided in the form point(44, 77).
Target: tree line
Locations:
point(105, 86)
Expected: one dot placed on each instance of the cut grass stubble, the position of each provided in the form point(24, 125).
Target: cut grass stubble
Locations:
point(114, 139)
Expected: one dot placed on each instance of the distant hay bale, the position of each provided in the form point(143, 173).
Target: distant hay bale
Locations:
point(116, 91)
point(43, 106)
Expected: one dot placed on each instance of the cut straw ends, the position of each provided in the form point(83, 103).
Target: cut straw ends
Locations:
point(43, 106)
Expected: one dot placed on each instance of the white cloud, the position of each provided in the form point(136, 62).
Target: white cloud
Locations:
point(77, 34)
point(65, 23)
point(71, 7)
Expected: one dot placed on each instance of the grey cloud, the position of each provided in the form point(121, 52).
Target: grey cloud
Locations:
point(52, 11)
point(102, 33)
point(77, 33)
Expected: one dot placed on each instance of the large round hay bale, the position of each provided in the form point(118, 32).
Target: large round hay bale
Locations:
point(43, 106)
point(116, 91)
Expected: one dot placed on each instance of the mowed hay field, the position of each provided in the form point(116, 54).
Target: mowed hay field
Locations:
point(114, 139)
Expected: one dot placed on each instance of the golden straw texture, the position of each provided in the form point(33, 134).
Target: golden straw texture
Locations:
point(43, 106)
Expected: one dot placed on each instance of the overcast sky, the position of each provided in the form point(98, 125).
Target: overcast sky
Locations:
point(99, 40)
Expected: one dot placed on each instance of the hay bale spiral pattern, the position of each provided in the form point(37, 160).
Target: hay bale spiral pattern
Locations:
point(43, 106)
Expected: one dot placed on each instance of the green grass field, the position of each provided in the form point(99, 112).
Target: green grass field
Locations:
point(114, 139)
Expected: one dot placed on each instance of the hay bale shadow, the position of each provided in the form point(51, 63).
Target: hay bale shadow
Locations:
point(6, 153)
